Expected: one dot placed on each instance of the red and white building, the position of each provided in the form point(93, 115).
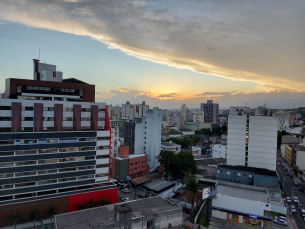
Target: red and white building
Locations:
point(54, 144)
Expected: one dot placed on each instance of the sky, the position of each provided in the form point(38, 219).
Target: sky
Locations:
point(167, 53)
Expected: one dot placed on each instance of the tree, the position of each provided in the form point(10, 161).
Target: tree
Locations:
point(51, 211)
point(193, 186)
point(295, 170)
point(195, 139)
point(279, 138)
point(303, 130)
point(167, 159)
point(14, 218)
point(224, 129)
point(184, 165)
point(33, 216)
point(199, 132)
point(185, 141)
point(206, 131)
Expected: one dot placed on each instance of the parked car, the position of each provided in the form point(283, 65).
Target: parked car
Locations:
point(288, 200)
point(126, 190)
point(125, 199)
point(293, 209)
point(295, 199)
point(289, 174)
point(303, 212)
point(299, 206)
point(280, 221)
point(280, 217)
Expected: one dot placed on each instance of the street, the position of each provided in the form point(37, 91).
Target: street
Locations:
point(289, 189)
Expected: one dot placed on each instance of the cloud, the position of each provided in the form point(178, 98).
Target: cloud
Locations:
point(259, 41)
point(170, 95)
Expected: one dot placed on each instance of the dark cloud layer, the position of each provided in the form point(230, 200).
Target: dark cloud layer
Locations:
point(261, 41)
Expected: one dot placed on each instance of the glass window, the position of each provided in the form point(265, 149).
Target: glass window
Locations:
point(25, 184)
point(151, 223)
point(25, 174)
point(5, 108)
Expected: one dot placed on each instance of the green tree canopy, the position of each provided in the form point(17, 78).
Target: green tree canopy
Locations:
point(33, 216)
point(224, 129)
point(303, 130)
point(185, 164)
point(193, 186)
point(51, 211)
point(167, 159)
point(14, 218)
point(185, 141)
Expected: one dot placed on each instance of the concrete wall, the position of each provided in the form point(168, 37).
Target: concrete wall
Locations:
point(279, 209)
point(261, 180)
point(300, 159)
point(242, 177)
point(246, 206)
point(219, 151)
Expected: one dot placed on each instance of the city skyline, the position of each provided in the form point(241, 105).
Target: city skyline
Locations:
point(166, 54)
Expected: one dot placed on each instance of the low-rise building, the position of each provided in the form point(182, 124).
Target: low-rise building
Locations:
point(126, 165)
point(295, 155)
point(247, 175)
point(219, 151)
point(153, 212)
point(196, 150)
point(174, 134)
point(242, 204)
point(170, 146)
point(162, 188)
point(187, 132)
point(289, 139)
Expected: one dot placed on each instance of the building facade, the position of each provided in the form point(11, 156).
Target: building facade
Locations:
point(210, 110)
point(219, 151)
point(143, 135)
point(129, 111)
point(247, 175)
point(252, 140)
point(153, 212)
point(54, 143)
point(283, 120)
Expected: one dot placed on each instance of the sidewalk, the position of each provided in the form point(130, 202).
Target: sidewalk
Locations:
point(225, 224)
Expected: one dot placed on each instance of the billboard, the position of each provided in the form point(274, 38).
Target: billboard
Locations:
point(209, 192)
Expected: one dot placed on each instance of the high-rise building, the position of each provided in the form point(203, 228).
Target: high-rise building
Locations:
point(54, 144)
point(143, 135)
point(130, 111)
point(210, 111)
point(252, 140)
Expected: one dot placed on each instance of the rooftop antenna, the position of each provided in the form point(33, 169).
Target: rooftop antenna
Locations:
point(39, 54)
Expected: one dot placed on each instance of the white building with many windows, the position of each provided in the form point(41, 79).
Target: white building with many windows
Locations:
point(252, 140)
point(54, 142)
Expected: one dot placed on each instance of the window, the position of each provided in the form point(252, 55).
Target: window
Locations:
point(218, 171)
point(228, 173)
point(131, 163)
point(131, 169)
point(244, 174)
point(151, 223)
point(27, 108)
point(5, 108)
point(239, 174)
point(250, 175)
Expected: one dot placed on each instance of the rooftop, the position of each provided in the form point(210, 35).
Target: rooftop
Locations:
point(159, 185)
point(145, 179)
point(104, 216)
point(242, 191)
point(174, 133)
point(169, 144)
point(288, 139)
point(260, 171)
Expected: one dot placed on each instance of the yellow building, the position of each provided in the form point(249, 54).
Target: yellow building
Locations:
point(288, 153)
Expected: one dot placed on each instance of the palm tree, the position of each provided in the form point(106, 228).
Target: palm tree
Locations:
point(193, 186)
point(51, 211)
point(14, 218)
point(33, 215)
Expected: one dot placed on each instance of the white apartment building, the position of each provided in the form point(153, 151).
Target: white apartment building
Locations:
point(143, 135)
point(252, 140)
